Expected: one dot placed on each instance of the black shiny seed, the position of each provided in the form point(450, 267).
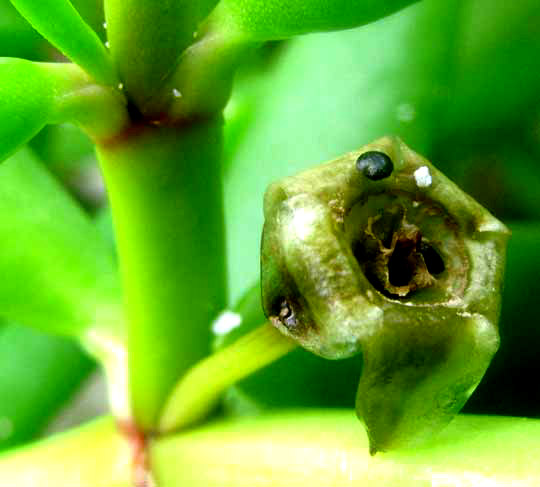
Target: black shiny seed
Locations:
point(375, 165)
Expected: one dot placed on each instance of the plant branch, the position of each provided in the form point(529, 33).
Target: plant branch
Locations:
point(201, 82)
point(146, 39)
point(300, 447)
point(200, 388)
point(164, 186)
point(99, 110)
point(329, 447)
point(36, 94)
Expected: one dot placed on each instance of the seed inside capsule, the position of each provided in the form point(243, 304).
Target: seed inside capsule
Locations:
point(287, 315)
point(375, 165)
point(406, 250)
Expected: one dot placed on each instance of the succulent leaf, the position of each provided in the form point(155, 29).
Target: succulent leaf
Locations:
point(261, 20)
point(61, 24)
point(201, 82)
point(36, 94)
point(27, 100)
point(36, 393)
point(58, 274)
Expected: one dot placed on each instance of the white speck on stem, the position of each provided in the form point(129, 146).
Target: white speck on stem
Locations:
point(225, 322)
point(405, 112)
point(120, 86)
point(107, 44)
point(422, 177)
point(176, 93)
point(104, 25)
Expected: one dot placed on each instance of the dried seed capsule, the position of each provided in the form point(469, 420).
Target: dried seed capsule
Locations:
point(406, 269)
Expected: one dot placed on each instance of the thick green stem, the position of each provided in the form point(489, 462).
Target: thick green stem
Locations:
point(165, 192)
point(303, 447)
point(328, 448)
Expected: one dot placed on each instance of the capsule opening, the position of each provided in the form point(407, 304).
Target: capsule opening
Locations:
point(407, 249)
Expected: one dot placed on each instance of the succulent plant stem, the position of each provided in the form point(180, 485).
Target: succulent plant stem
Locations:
point(201, 387)
point(164, 186)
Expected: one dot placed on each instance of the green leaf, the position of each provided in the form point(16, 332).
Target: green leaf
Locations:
point(104, 224)
point(63, 147)
point(496, 68)
point(57, 272)
point(18, 39)
point(38, 373)
point(69, 154)
point(35, 94)
point(93, 14)
point(61, 24)
point(263, 20)
point(26, 96)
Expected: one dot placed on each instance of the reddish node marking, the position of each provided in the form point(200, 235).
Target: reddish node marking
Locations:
point(140, 466)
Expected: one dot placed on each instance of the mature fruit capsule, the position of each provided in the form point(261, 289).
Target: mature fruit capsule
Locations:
point(406, 269)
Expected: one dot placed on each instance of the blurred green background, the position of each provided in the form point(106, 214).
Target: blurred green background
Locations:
point(457, 80)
